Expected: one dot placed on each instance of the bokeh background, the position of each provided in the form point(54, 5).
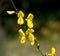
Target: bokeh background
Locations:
point(46, 25)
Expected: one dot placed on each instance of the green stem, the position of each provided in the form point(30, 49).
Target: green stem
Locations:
point(41, 52)
point(38, 47)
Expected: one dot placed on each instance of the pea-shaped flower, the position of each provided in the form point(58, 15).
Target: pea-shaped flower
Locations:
point(20, 16)
point(32, 39)
point(30, 20)
point(52, 53)
point(22, 35)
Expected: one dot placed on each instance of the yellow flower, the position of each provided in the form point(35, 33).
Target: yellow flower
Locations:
point(29, 20)
point(29, 31)
point(52, 52)
point(23, 40)
point(22, 35)
point(11, 12)
point(20, 14)
point(31, 38)
point(20, 21)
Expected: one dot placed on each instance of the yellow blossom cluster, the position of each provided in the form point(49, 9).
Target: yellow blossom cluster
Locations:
point(29, 31)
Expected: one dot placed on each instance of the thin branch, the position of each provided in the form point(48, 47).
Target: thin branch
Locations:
point(38, 47)
point(41, 52)
point(14, 6)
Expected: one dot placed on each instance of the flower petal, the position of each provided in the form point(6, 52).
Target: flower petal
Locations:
point(21, 32)
point(10, 12)
point(20, 14)
point(30, 16)
point(31, 37)
point(29, 23)
point(23, 40)
point(20, 21)
point(53, 51)
point(29, 31)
